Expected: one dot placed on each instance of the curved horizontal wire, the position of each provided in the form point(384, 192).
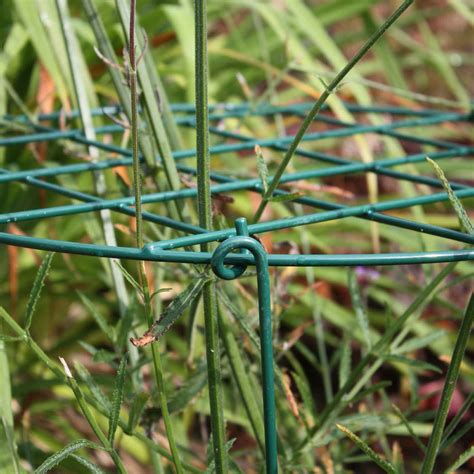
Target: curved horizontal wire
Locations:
point(240, 185)
point(379, 166)
point(336, 160)
point(309, 201)
point(235, 110)
point(84, 197)
point(276, 260)
point(374, 216)
point(280, 224)
point(345, 131)
point(336, 211)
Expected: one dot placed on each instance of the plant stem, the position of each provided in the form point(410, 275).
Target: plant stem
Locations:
point(55, 368)
point(329, 89)
point(158, 369)
point(59, 373)
point(205, 221)
point(448, 389)
point(137, 181)
point(94, 425)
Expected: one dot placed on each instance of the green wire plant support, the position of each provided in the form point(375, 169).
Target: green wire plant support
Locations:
point(237, 249)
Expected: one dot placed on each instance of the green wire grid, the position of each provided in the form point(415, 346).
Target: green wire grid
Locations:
point(225, 263)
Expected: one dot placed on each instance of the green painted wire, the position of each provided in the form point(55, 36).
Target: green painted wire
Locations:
point(204, 258)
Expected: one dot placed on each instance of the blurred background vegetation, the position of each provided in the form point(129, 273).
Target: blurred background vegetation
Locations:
point(273, 51)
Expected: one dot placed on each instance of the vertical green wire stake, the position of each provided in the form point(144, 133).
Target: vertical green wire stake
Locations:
point(244, 242)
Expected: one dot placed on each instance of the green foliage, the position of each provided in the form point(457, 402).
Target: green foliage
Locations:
point(36, 290)
point(350, 346)
point(64, 453)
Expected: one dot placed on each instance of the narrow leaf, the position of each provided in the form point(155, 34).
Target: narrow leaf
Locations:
point(91, 384)
point(99, 319)
point(361, 314)
point(89, 465)
point(463, 458)
point(464, 220)
point(67, 451)
point(448, 389)
point(37, 287)
point(414, 363)
point(382, 463)
point(136, 409)
point(171, 314)
point(345, 362)
point(419, 342)
point(117, 398)
point(407, 424)
point(458, 417)
point(129, 277)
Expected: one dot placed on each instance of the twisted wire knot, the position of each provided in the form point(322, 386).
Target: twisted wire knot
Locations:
point(238, 242)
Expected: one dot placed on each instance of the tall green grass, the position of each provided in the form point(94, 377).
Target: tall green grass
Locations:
point(185, 394)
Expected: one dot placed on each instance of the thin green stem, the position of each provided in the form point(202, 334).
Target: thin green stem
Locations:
point(94, 425)
point(157, 366)
point(137, 181)
point(55, 368)
point(329, 89)
point(205, 221)
point(448, 389)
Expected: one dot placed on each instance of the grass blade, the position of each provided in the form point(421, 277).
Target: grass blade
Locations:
point(243, 381)
point(262, 168)
point(9, 461)
point(458, 417)
point(108, 330)
point(331, 87)
point(417, 343)
point(405, 421)
point(117, 398)
point(36, 290)
point(463, 458)
point(332, 408)
point(448, 389)
point(345, 361)
point(382, 463)
point(67, 451)
point(361, 314)
point(78, 73)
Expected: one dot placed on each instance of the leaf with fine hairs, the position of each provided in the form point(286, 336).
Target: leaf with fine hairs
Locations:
point(171, 313)
point(36, 290)
point(117, 398)
point(464, 220)
point(363, 446)
point(64, 453)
